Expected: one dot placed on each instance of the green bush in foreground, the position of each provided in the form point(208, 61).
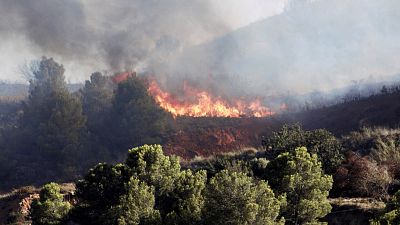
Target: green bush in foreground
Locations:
point(235, 199)
point(137, 206)
point(49, 209)
point(320, 142)
point(152, 188)
point(300, 176)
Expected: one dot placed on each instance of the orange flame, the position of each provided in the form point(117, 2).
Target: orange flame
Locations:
point(198, 103)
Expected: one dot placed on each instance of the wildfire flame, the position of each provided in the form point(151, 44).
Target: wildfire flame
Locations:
point(199, 103)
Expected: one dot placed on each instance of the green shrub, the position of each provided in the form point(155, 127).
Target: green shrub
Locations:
point(50, 208)
point(299, 175)
point(320, 142)
point(235, 199)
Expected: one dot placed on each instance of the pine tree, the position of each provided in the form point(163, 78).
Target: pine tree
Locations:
point(235, 199)
point(179, 194)
point(99, 191)
point(97, 95)
point(52, 122)
point(49, 209)
point(320, 142)
point(97, 100)
point(137, 119)
point(300, 177)
point(137, 206)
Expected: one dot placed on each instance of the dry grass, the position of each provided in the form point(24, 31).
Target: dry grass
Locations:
point(361, 203)
point(231, 154)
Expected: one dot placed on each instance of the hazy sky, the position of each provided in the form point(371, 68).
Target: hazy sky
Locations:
point(242, 12)
point(313, 45)
point(308, 45)
point(22, 42)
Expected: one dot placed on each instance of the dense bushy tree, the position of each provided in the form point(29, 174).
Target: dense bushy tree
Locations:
point(300, 176)
point(320, 142)
point(99, 191)
point(186, 201)
point(51, 112)
point(109, 194)
point(136, 206)
point(136, 117)
point(178, 193)
point(50, 208)
point(52, 121)
point(149, 163)
point(236, 199)
point(97, 97)
point(151, 188)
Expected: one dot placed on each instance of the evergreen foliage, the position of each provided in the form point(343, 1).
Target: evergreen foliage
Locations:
point(97, 97)
point(99, 191)
point(320, 142)
point(137, 119)
point(236, 199)
point(178, 193)
point(49, 209)
point(52, 123)
point(57, 135)
point(299, 175)
point(136, 206)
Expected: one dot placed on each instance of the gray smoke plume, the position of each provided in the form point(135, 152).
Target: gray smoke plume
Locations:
point(311, 45)
point(123, 34)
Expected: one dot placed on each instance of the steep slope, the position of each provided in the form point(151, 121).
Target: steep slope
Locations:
point(373, 111)
point(320, 45)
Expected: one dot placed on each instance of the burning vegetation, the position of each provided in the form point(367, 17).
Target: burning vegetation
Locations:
point(196, 102)
point(200, 103)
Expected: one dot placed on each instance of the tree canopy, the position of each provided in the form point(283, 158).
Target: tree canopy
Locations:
point(49, 209)
point(52, 123)
point(136, 117)
point(320, 142)
point(299, 175)
point(236, 199)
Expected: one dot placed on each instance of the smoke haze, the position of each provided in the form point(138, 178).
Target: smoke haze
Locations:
point(306, 46)
point(319, 45)
point(116, 35)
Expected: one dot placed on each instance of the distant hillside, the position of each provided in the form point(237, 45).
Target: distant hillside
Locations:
point(18, 91)
point(377, 110)
point(316, 45)
point(8, 90)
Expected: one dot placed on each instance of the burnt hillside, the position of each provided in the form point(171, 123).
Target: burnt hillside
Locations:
point(206, 136)
point(377, 110)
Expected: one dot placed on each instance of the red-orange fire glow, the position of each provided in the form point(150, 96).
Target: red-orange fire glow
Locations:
point(199, 103)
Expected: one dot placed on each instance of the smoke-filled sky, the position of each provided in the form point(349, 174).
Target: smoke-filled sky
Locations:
point(312, 45)
point(295, 45)
point(89, 35)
